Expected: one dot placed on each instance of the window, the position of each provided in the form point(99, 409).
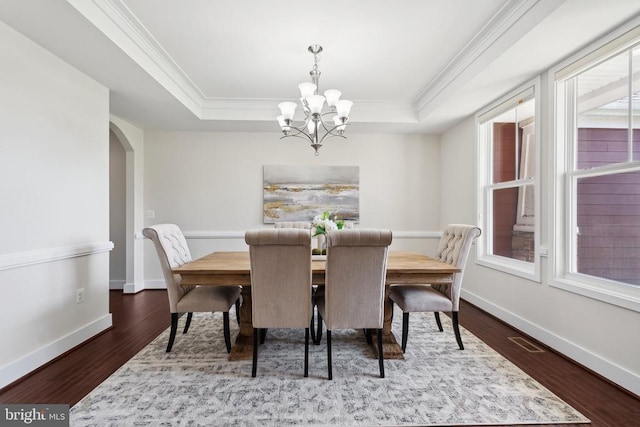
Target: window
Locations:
point(598, 208)
point(507, 184)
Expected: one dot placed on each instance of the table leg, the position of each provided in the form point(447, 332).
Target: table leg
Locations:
point(243, 347)
point(390, 347)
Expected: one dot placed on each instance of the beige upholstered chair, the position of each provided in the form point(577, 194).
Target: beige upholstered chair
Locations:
point(280, 283)
point(173, 252)
point(454, 248)
point(292, 224)
point(354, 284)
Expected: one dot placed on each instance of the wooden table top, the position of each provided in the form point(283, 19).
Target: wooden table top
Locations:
point(402, 267)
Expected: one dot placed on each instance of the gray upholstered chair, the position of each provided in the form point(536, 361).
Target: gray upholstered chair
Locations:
point(173, 252)
point(280, 283)
point(453, 248)
point(355, 275)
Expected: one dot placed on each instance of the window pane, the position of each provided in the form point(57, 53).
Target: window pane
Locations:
point(603, 113)
point(513, 223)
point(513, 151)
point(601, 146)
point(608, 219)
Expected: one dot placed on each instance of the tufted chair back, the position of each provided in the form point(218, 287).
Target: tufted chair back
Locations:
point(355, 277)
point(454, 248)
point(173, 252)
point(280, 277)
point(292, 224)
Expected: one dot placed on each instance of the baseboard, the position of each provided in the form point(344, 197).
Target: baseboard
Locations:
point(131, 288)
point(31, 362)
point(115, 285)
point(155, 284)
point(614, 373)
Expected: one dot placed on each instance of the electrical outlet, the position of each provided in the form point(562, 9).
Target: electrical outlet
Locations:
point(79, 295)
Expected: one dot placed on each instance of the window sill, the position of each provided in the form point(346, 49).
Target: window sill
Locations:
point(526, 270)
point(626, 296)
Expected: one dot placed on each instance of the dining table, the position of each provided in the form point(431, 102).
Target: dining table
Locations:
point(234, 268)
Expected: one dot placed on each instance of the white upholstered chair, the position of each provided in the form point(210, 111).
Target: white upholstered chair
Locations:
point(173, 252)
point(355, 275)
point(453, 248)
point(280, 283)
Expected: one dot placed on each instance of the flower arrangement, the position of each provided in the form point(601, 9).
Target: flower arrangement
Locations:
point(323, 223)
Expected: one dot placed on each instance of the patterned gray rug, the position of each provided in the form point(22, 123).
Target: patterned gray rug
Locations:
point(436, 384)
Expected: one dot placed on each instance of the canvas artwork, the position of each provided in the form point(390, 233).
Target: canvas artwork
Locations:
point(298, 192)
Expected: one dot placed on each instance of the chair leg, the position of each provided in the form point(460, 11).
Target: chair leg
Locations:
point(380, 354)
point(437, 314)
point(329, 363)
point(254, 368)
point(313, 327)
point(172, 334)
point(405, 330)
point(306, 352)
point(187, 323)
point(367, 335)
point(227, 333)
point(318, 330)
point(456, 328)
point(238, 311)
point(263, 335)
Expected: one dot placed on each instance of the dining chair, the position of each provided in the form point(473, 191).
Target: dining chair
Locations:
point(353, 296)
point(292, 224)
point(453, 248)
point(280, 283)
point(171, 247)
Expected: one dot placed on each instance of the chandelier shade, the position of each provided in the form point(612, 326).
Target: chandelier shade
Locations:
point(319, 123)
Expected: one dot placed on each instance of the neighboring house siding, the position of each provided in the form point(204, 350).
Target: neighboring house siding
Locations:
point(608, 208)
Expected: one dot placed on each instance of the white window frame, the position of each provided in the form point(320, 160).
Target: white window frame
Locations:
point(484, 158)
point(560, 274)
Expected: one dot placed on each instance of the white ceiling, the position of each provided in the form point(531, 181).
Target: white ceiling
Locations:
point(409, 65)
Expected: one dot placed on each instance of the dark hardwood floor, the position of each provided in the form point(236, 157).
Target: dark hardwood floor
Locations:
point(139, 318)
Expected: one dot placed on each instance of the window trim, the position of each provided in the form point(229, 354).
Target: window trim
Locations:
point(559, 275)
point(527, 270)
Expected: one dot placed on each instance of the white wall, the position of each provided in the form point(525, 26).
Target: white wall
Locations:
point(600, 336)
point(54, 190)
point(212, 182)
point(117, 212)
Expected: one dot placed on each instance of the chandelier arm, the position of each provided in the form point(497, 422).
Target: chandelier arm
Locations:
point(305, 137)
point(329, 128)
point(329, 133)
point(299, 132)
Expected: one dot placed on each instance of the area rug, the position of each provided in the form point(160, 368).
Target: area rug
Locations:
point(436, 384)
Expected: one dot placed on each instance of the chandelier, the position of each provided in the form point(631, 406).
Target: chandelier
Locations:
point(317, 125)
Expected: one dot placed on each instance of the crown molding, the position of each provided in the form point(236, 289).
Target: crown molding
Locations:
point(502, 24)
point(116, 21)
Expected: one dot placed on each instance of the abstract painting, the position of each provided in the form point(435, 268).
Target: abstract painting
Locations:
point(298, 193)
